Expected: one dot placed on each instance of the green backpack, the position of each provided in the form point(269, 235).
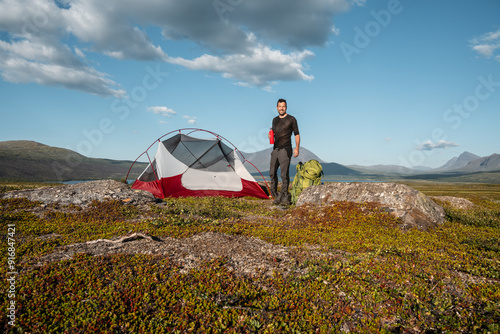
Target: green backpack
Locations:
point(308, 174)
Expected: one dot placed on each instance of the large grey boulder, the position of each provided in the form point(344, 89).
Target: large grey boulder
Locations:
point(414, 208)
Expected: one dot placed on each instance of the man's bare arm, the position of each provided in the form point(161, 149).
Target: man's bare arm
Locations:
point(297, 145)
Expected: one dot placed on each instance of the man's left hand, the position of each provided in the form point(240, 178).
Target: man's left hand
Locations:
point(296, 152)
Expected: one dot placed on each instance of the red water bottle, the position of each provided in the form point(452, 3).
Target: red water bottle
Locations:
point(271, 136)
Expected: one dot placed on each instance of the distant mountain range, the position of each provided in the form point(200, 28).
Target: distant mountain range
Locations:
point(484, 164)
point(467, 167)
point(31, 161)
point(458, 162)
point(470, 163)
point(23, 160)
point(261, 159)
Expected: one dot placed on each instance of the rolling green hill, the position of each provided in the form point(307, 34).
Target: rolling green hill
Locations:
point(23, 160)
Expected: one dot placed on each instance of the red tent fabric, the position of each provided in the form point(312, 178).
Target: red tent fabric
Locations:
point(187, 166)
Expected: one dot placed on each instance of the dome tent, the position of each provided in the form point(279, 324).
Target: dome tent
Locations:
point(186, 166)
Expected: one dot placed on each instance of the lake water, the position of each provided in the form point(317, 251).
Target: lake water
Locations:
point(82, 181)
point(257, 179)
point(370, 181)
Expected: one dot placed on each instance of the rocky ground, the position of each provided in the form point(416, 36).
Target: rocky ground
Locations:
point(456, 202)
point(84, 193)
point(244, 255)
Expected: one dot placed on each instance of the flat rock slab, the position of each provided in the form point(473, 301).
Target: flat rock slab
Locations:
point(245, 255)
point(456, 202)
point(84, 193)
point(415, 209)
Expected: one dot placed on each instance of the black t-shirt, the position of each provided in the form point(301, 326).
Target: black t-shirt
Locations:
point(283, 128)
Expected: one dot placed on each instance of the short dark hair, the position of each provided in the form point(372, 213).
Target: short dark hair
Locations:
point(281, 100)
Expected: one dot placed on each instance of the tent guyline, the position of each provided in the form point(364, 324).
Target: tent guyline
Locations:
point(185, 165)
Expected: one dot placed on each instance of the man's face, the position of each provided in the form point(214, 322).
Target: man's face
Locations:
point(281, 108)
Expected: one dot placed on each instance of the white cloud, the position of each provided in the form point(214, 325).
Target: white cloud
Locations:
point(262, 67)
point(34, 53)
point(484, 50)
point(492, 36)
point(336, 31)
point(109, 31)
point(19, 65)
point(296, 24)
point(486, 45)
point(162, 110)
point(190, 119)
point(251, 45)
point(79, 53)
point(430, 145)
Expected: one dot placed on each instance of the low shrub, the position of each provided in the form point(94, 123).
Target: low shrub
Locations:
point(354, 271)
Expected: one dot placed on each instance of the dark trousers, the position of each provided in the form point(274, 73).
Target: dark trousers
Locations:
point(280, 158)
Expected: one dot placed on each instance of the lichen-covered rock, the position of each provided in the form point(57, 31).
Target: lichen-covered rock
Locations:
point(414, 208)
point(84, 193)
point(456, 202)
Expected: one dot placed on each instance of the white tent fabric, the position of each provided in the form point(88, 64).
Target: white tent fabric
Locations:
point(189, 166)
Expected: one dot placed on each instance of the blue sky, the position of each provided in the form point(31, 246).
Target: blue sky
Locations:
point(407, 82)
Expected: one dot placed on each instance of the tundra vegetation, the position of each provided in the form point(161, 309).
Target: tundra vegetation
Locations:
point(354, 269)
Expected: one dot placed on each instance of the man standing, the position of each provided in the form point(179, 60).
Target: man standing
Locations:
point(283, 126)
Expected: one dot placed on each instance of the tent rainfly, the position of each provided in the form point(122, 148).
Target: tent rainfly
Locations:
point(187, 166)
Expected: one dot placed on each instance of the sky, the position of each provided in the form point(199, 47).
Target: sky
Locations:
point(392, 82)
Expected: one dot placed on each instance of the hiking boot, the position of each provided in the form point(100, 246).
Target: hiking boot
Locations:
point(286, 203)
point(277, 200)
point(285, 200)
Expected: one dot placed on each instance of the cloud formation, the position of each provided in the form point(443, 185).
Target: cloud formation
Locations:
point(253, 43)
point(487, 45)
point(33, 52)
point(162, 110)
point(262, 67)
point(430, 145)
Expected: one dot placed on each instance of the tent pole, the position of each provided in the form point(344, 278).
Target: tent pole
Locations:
point(132, 165)
point(267, 185)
